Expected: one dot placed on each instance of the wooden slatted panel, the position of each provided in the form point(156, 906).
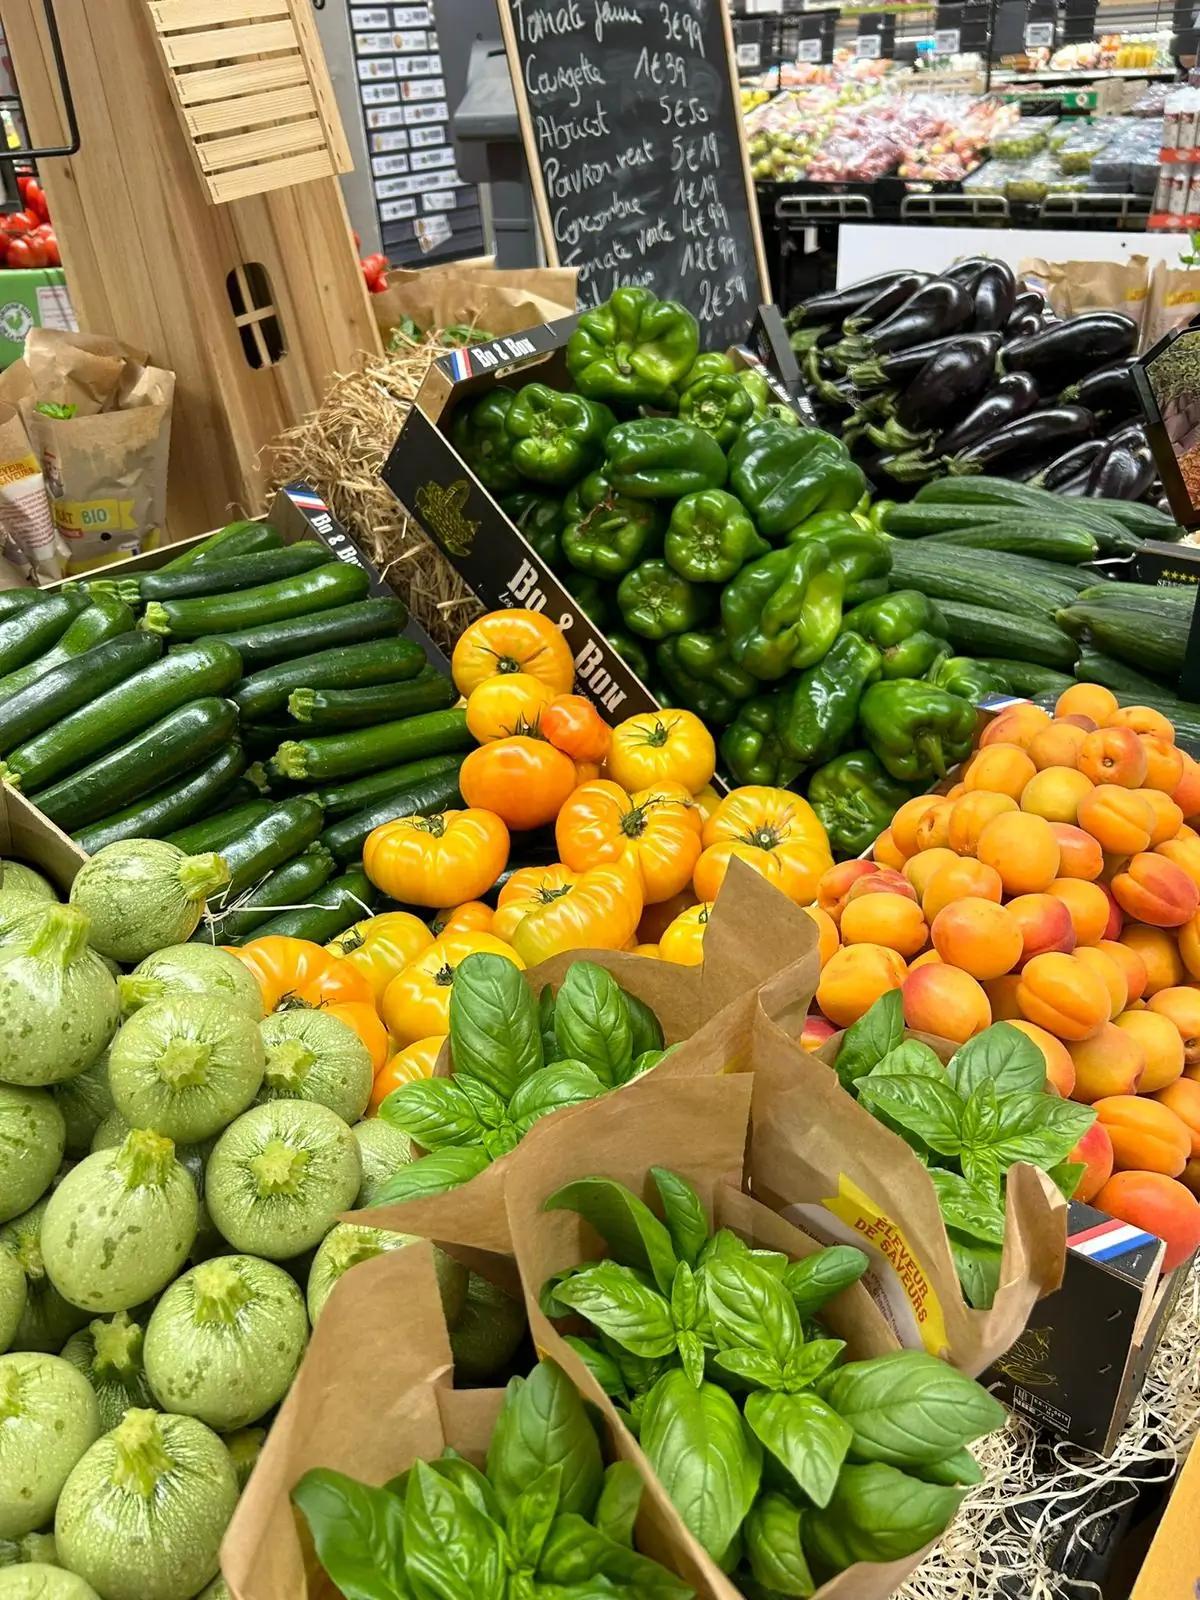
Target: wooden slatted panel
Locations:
point(224, 115)
point(171, 15)
point(285, 140)
point(245, 181)
point(239, 83)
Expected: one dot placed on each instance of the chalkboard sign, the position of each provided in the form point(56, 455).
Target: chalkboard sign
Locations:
point(632, 125)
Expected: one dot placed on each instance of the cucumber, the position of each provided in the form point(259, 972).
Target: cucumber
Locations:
point(1148, 522)
point(171, 806)
point(1027, 677)
point(348, 755)
point(361, 708)
point(348, 835)
point(33, 630)
point(196, 670)
point(14, 600)
point(212, 832)
point(63, 689)
point(1094, 666)
point(974, 630)
point(918, 520)
point(1025, 536)
point(354, 666)
point(1111, 536)
point(106, 617)
point(182, 739)
point(300, 636)
point(340, 799)
point(235, 539)
point(997, 581)
point(221, 576)
point(1140, 596)
point(336, 907)
point(289, 885)
point(1153, 641)
point(289, 827)
point(334, 584)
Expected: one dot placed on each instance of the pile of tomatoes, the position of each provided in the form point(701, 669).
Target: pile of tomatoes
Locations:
point(27, 237)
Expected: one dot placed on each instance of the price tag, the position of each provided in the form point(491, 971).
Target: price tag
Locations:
point(1038, 34)
point(749, 55)
point(946, 41)
point(763, 7)
point(809, 50)
point(866, 47)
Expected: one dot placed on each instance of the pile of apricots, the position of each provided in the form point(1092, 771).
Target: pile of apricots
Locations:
point(1055, 886)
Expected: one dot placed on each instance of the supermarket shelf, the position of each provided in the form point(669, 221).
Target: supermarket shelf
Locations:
point(1097, 75)
point(814, 208)
point(966, 208)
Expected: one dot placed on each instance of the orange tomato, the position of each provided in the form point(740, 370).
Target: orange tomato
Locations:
point(683, 941)
point(437, 860)
point(657, 829)
point(774, 832)
point(525, 890)
point(508, 703)
point(406, 1066)
point(662, 747)
point(381, 946)
point(512, 641)
point(572, 724)
point(522, 780)
point(473, 916)
point(597, 910)
point(416, 1003)
point(364, 1019)
point(298, 969)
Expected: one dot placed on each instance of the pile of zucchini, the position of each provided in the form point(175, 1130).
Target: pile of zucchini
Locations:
point(248, 697)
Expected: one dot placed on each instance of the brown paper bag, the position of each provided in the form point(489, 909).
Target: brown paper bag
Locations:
point(707, 1010)
point(1174, 301)
point(26, 521)
point(494, 299)
point(825, 1163)
point(1073, 287)
point(698, 1129)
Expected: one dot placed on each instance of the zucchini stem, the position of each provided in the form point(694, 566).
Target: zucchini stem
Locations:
point(220, 1291)
point(117, 1347)
point(60, 936)
point(141, 1461)
point(289, 1064)
point(200, 875)
point(291, 759)
point(183, 1063)
point(145, 1159)
point(278, 1168)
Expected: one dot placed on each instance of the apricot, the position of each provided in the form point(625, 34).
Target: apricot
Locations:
point(1089, 700)
point(1087, 904)
point(815, 1032)
point(920, 868)
point(1168, 818)
point(1130, 963)
point(1023, 851)
point(1157, 1204)
point(893, 920)
point(1190, 1177)
point(1113, 755)
point(886, 881)
point(969, 815)
point(1186, 793)
point(1164, 763)
point(1184, 852)
point(1045, 925)
point(1119, 820)
point(1183, 1098)
point(904, 823)
point(1079, 855)
point(1056, 746)
point(1110, 974)
point(1143, 719)
point(854, 978)
point(1189, 945)
point(1060, 1069)
point(1160, 956)
point(999, 769)
point(1017, 725)
point(1181, 1005)
point(1161, 1045)
point(1055, 793)
point(1002, 997)
point(1154, 890)
point(955, 790)
point(1146, 1136)
point(1110, 1062)
point(927, 958)
point(933, 825)
point(827, 933)
point(945, 1000)
point(1094, 1152)
point(1062, 996)
point(887, 852)
point(957, 880)
point(977, 935)
point(835, 883)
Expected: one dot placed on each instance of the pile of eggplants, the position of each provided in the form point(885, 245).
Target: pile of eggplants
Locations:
point(969, 372)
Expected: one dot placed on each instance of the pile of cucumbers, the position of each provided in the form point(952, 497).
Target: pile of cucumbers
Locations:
point(249, 697)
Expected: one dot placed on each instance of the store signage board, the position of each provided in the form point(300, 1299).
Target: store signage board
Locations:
point(1039, 35)
point(866, 46)
point(632, 125)
point(946, 41)
point(809, 50)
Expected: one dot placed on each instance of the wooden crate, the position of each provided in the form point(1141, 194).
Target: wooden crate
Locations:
point(253, 93)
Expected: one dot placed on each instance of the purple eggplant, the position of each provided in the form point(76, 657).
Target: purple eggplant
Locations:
point(1008, 398)
point(1107, 391)
point(1027, 300)
point(969, 272)
point(1036, 436)
point(888, 300)
point(1080, 458)
point(834, 305)
point(995, 290)
point(901, 367)
point(1132, 432)
point(938, 307)
point(1123, 472)
point(1068, 350)
point(955, 377)
point(1021, 327)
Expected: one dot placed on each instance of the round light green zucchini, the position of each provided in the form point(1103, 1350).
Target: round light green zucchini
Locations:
point(37, 1581)
point(109, 1354)
point(192, 969)
point(350, 1243)
point(47, 1320)
point(486, 1335)
point(48, 1418)
point(313, 1056)
point(84, 1101)
point(32, 1138)
point(58, 1000)
point(244, 1446)
point(142, 894)
point(185, 1066)
point(384, 1150)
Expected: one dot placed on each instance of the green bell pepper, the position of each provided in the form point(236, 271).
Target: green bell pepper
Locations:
point(759, 390)
point(656, 602)
point(702, 678)
point(663, 458)
point(710, 537)
point(855, 800)
point(709, 364)
point(556, 437)
point(915, 657)
point(631, 651)
point(917, 730)
point(592, 597)
point(863, 558)
point(751, 749)
point(782, 612)
point(894, 617)
point(786, 416)
point(479, 434)
point(632, 349)
point(783, 475)
point(967, 678)
point(540, 518)
point(720, 405)
point(607, 533)
point(824, 702)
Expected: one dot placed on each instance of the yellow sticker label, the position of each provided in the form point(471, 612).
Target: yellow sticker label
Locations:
point(23, 467)
point(75, 518)
point(860, 1213)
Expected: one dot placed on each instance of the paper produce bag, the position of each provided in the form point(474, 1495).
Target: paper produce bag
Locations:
point(707, 1010)
point(1174, 301)
point(698, 1129)
point(823, 1161)
point(464, 295)
point(26, 522)
point(1073, 287)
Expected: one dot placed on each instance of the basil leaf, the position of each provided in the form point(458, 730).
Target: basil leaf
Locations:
point(600, 1364)
point(982, 1171)
point(434, 1112)
point(685, 1216)
point(639, 1372)
point(877, 1513)
point(807, 1364)
point(614, 1299)
point(434, 1174)
point(691, 1355)
point(1039, 1128)
point(804, 1435)
point(645, 1030)
point(468, 1480)
point(909, 1407)
point(499, 1141)
point(724, 1245)
point(1068, 1175)
point(530, 1515)
point(642, 1064)
point(912, 1059)
point(773, 1548)
point(959, 1467)
point(867, 1041)
point(451, 1550)
point(1002, 1056)
point(546, 1024)
point(685, 1298)
point(484, 1101)
point(619, 1502)
point(632, 1232)
point(704, 1456)
point(751, 1367)
point(978, 1269)
point(964, 1208)
point(543, 1424)
point(749, 1308)
point(925, 1108)
point(591, 1022)
point(494, 1031)
point(576, 1552)
point(815, 1280)
point(358, 1532)
point(548, 1301)
point(566, 1083)
point(981, 1116)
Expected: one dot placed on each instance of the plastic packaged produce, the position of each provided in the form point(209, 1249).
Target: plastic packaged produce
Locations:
point(1077, 152)
point(991, 178)
point(1032, 179)
point(1025, 138)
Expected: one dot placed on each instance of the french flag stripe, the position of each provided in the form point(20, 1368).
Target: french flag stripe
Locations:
point(460, 361)
point(1110, 1239)
point(307, 502)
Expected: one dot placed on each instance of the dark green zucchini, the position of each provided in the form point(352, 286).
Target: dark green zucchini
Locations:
point(14, 600)
point(185, 737)
point(338, 906)
point(357, 623)
point(235, 539)
point(229, 573)
point(347, 836)
point(33, 630)
point(212, 832)
point(340, 799)
point(289, 885)
point(362, 708)
point(353, 666)
point(106, 617)
point(172, 805)
point(290, 826)
point(77, 682)
point(335, 584)
point(348, 755)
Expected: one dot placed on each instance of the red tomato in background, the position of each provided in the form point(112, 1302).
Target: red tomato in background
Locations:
point(34, 197)
point(26, 252)
point(14, 223)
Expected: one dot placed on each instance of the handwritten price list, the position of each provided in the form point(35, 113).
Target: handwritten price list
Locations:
point(635, 129)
